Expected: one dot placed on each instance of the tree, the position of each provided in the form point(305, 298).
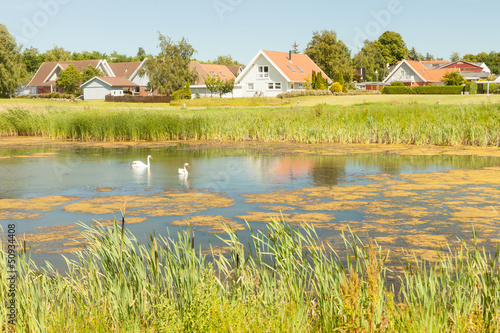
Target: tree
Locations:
point(414, 55)
point(116, 57)
point(370, 58)
point(32, 59)
point(89, 73)
point(86, 55)
point(57, 54)
point(225, 60)
point(429, 56)
point(336, 87)
point(170, 69)
point(141, 54)
point(69, 79)
point(453, 79)
point(392, 47)
point(295, 48)
point(226, 87)
point(12, 68)
point(330, 54)
point(455, 56)
point(212, 84)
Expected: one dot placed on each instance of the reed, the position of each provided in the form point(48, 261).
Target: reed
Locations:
point(447, 125)
point(283, 280)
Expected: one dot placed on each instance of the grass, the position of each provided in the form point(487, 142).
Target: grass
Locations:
point(284, 280)
point(413, 123)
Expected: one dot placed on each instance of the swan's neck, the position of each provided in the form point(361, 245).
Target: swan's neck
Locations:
point(148, 160)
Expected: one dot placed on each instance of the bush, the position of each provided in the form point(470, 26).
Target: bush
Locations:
point(52, 95)
point(397, 84)
point(181, 94)
point(300, 93)
point(336, 87)
point(473, 88)
point(427, 90)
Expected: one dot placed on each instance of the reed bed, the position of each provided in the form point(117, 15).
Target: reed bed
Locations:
point(283, 280)
point(446, 125)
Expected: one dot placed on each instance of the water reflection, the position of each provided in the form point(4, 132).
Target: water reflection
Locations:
point(184, 181)
point(142, 175)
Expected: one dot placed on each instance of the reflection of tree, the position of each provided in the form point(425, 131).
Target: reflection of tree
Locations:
point(328, 170)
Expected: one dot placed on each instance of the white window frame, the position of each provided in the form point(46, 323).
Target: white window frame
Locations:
point(248, 86)
point(261, 72)
point(274, 86)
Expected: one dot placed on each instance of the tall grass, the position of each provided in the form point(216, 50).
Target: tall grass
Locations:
point(284, 280)
point(370, 123)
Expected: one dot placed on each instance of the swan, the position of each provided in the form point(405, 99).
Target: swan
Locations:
point(140, 163)
point(184, 171)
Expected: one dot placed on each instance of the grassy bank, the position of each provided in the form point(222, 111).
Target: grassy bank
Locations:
point(471, 124)
point(284, 281)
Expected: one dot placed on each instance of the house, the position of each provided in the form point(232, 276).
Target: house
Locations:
point(464, 66)
point(236, 69)
point(99, 86)
point(434, 64)
point(204, 71)
point(414, 73)
point(130, 70)
point(271, 73)
point(44, 80)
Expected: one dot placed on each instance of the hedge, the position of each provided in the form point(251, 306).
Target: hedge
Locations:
point(427, 90)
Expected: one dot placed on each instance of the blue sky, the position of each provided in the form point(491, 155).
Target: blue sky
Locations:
point(242, 27)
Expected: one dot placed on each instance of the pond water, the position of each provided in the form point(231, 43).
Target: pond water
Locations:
point(405, 203)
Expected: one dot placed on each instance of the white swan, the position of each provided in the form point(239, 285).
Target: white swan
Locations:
point(140, 163)
point(184, 171)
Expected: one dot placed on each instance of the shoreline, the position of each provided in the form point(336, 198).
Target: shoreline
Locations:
point(332, 149)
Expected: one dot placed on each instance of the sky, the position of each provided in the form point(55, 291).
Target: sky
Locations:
point(241, 28)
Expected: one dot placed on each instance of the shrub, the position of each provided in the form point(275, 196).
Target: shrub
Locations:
point(427, 90)
point(181, 94)
point(473, 88)
point(397, 84)
point(300, 93)
point(336, 87)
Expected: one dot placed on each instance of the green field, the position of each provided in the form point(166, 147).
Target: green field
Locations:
point(456, 120)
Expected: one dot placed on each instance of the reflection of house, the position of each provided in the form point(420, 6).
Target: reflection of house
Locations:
point(208, 71)
point(98, 87)
point(271, 73)
point(44, 80)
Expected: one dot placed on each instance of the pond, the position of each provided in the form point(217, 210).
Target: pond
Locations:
point(405, 203)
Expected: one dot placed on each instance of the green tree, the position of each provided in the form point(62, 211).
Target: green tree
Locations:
point(336, 87)
point(340, 80)
point(455, 56)
point(116, 57)
point(89, 73)
point(370, 58)
point(86, 55)
point(392, 47)
point(330, 54)
point(295, 48)
point(141, 54)
point(170, 69)
point(32, 59)
point(414, 55)
point(12, 69)
point(57, 54)
point(429, 56)
point(69, 79)
point(212, 84)
point(226, 87)
point(453, 78)
point(225, 60)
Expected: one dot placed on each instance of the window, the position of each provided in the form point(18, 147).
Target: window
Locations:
point(291, 68)
point(300, 69)
point(250, 86)
point(213, 74)
point(222, 74)
point(274, 86)
point(263, 72)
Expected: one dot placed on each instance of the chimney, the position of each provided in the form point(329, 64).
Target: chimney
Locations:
point(290, 55)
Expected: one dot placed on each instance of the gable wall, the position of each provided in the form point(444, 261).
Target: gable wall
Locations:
point(261, 84)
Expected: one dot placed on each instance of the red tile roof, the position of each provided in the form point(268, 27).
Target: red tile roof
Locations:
point(301, 65)
point(429, 75)
point(124, 69)
point(48, 67)
point(205, 70)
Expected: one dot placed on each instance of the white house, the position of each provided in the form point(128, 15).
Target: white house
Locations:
point(271, 73)
point(98, 87)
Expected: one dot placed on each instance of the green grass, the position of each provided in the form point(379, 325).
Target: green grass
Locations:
point(413, 123)
point(284, 280)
